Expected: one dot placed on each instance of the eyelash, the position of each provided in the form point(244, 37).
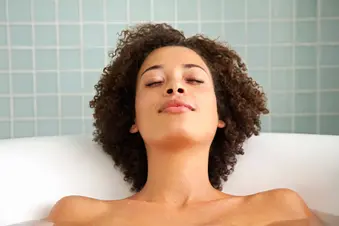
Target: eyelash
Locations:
point(195, 81)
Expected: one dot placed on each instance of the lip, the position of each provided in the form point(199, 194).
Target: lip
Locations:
point(176, 106)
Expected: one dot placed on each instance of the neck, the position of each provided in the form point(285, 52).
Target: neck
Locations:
point(178, 177)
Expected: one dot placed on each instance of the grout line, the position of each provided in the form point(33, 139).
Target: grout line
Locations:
point(35, 107)
point(81, 19)
point(199, 16)
point(269, 64)
point(318, 68)
point(293, 63)
point(58, 94)
point(223, 32)
point(246, 31)
point(152, 10)
point(11, 105)
point(176, 14)
point(128, 12)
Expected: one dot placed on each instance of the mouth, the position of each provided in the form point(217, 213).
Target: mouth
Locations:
point(174, 106)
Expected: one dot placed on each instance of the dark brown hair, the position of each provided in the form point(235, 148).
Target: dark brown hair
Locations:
point(240, 101)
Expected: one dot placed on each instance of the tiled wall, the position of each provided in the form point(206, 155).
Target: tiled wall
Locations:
point(52, 53)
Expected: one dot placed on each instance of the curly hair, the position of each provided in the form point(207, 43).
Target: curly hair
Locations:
point(240, 101)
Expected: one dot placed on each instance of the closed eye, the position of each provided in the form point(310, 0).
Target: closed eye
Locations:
point(195, 81)
point(152, 84)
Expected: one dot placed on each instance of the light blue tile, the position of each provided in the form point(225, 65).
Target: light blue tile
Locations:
point(21, 35)
point(235, 33)
point(70, 82)
point(282, 32)
point(4, 83)
point(69, 35)
point(187, 10)
point(305, 79)
point(93, 10)
point(257, 56)
point(261, 77)
point(5, 107)
point(3, 35)
point(22, 83)
point(281, 124)
point(306, 103)
point(47, 106)
point(329, 78)
point(140, 15)
point(329, 102)
point(71, 106)
point(23, 128)
point(71, 126)
point(19, 10)
point(46, 59)
point(329, 8)
point(240, 50)
point(90, 79)
point(164, 10)
point(189, 29)
point(329, 125)
point(23, 106)
point(5, 130)
point(282, 9)
point(3, 11)
point(210, 11)
point(88, 112)
point(93, 35)
point(257, 9)
point(94, 58)
point(48, 127)
point(46, 82)
point(265, 123)
point(89, 128)
point(116, 10)
point(306, 56)
point(306, 124)
point(44, 10)
point(22, 59)
point(234, 9)
point(45, 35)
point(257, 32)
point(4, 59)
point(282, 80)
point(281, 103)
point(306, 8)
point(306, 31)
point(329, 55)
point(68, 10)
point(329, 30)
point(212, 30)
point(113, 31)
point(69, 59)
point(282, 56)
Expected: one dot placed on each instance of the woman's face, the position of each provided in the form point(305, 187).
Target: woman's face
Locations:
point(175, 98)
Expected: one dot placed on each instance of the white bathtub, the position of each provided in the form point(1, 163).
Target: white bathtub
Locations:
point(36, 172)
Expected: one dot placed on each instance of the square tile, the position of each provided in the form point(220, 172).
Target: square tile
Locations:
point(305, 124)
point(261, 77)
point(93, 10)
point(282, 9)
point(90, 79)
point(329, 8)
point(329, 78)
point(93, 35)
point(329, 102)
point(94, 58)
point(164, 10)
point(257, 32)
point(258, 9)
point(329, 30)
point(89, 128)
point(4, 64)
point(88, 112)
point(23, 128)
point(19, 14)
point(4, 83)
point(189, 29)
point(265, 123)
point(68, 10)
point(210, 11)
point(306, 8)
point(48, 127)
point(257, 56)
point(22, 83)
point(5, 107)
point(45, 35)
point(71, 106)
point(305, 79)
point(187, 10)
point(47, 106)
point(329, 55)
point(282, 32)
point(212, 30)
point(5, 129)
point(46, 59)
point(3, 11)
point(21, 35)
point(306, 31)
point(329, 125)
point(70, 59)
point(70, 82)
point(140, 15)
point(235, 33)
point(113, 32)
point(281, 124)
point(282, 80)
point(234, 9)
point(44, 10)
point(116, 10)
point(306, 103)
point(23, 106)
point(69, 35)
point(281, 103)
point(281, 56)
point(22, 59)
point(46, 82)
point(71, 126)
point(306, 56)
point(3, 35)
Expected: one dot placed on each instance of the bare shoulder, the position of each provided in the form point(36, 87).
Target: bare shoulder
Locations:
point(77, 209)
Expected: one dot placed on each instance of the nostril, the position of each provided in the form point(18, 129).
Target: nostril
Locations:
point(180, 90)
point(169, 91)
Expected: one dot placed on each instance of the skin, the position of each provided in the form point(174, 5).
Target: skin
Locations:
point(177, 149)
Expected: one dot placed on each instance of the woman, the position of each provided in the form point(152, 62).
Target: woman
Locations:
point(174, 112)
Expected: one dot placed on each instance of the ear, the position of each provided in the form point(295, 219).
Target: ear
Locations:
point(221, 124)
point(133, 129)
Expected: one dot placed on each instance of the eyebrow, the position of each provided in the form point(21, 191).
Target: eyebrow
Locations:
point(187, 66)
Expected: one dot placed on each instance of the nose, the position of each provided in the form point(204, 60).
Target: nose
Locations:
point(171, 91)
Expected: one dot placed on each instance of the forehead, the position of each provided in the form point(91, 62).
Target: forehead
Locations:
point(172, 56)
